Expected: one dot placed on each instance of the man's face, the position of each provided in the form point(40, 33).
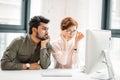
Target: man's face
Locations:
point(42, 31)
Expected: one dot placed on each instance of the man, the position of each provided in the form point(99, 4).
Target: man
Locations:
point(31, 51)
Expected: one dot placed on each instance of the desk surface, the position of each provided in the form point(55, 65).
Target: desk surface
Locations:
point(37, 75)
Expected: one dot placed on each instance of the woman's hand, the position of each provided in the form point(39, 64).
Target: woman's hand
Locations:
point(65, 41)
point(78, 37)
point(64, 38)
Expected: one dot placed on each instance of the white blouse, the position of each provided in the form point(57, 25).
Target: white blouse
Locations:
point(65, 59)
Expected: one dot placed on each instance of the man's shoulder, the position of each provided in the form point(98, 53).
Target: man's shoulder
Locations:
point(17, 41)
point(20, 38)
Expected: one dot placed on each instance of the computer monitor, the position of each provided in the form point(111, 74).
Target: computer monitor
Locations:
point(96, 42)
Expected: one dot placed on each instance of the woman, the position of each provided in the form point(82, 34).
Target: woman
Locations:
point(65, 49)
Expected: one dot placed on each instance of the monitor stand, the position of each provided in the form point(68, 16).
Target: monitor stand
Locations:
point(105, 74)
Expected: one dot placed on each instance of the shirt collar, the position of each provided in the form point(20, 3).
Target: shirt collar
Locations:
point(30, 40)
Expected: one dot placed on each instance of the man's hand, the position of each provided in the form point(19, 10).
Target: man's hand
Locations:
point(43, 43)
point(34, 66)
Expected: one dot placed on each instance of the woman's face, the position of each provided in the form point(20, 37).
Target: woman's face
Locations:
point(69, 33)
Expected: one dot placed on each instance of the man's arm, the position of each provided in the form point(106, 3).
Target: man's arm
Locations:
point(45, 54)
point(9, 57)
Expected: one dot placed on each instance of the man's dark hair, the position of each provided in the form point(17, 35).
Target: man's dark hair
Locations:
point(35, 22)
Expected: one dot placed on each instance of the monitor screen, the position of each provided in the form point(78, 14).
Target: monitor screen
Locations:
point(96, 42)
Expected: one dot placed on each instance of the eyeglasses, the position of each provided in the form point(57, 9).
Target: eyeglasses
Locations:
point(70, 31)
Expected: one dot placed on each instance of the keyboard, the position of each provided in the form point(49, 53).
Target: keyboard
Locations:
point(57, 73)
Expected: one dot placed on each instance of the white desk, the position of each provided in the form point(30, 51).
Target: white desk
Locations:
point(37, 75)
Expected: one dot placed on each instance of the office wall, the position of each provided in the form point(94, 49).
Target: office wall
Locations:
point(86, 12)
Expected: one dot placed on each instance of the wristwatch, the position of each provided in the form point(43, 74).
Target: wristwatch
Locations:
point(28, 65)
point(75, 49)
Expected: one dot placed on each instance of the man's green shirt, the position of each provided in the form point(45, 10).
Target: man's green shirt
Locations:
point(22, 51)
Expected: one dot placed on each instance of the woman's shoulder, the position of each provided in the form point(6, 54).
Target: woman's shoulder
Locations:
point(56, 42)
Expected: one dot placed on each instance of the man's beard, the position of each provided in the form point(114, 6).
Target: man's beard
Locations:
point(41, 38)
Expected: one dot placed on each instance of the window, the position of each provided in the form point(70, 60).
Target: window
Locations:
point(115, 14)
point(6, 39)
point(14, 15)
point(111, 21)
point(111, 16)
point(8, 8)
